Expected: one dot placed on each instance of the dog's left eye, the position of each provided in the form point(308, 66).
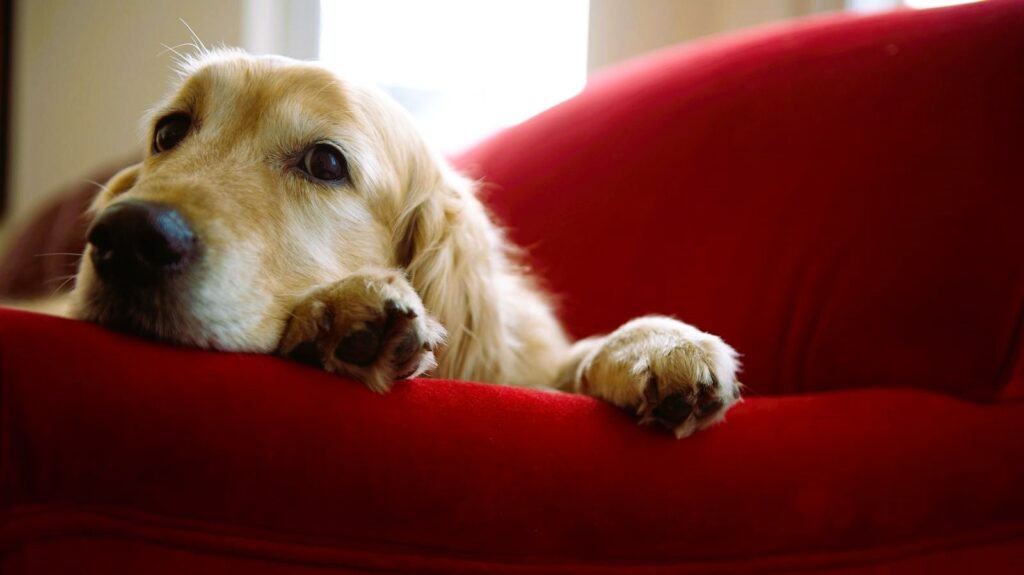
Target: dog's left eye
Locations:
point(326, 163)
point(169, 131)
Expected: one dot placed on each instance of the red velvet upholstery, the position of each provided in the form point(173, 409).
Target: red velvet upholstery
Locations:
point(838, 199)
point(842, 202)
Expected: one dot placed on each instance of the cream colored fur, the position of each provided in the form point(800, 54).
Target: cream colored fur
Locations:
point(289, 262)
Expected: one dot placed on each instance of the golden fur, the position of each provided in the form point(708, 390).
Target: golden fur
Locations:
point(289, 262)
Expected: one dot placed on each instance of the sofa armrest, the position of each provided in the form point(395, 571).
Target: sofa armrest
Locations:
point(113, 437)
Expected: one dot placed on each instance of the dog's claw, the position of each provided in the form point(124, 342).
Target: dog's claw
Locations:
point(710, 407)
point(361, 347)
point(306, 352)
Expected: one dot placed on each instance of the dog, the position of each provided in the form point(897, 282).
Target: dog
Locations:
point(282, 209)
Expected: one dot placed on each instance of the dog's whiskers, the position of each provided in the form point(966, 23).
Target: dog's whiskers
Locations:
point(174, 49)
point(98, 185)
point(52, 254)
point(61, 278)
point(63, 284)
point(181, 61)
point(202, 47)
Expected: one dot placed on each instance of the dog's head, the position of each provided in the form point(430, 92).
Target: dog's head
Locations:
point(264, 178)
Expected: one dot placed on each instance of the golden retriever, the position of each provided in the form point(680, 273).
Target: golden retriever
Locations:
point(281, 209)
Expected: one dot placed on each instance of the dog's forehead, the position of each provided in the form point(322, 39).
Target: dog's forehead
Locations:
point(266, 89)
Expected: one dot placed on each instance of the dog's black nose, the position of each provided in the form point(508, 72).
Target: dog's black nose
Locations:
point(137, 243)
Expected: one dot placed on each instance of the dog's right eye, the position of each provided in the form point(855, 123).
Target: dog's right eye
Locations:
point(169, 131)
point(325, 163)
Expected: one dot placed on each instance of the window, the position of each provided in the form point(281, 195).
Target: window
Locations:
point(463, 68)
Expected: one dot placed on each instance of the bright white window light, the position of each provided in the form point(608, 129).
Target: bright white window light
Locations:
point(464, 68)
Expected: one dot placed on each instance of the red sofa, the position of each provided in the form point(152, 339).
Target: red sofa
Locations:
point(841, 200)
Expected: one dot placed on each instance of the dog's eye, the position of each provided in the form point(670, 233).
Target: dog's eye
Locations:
point(169, 131)
point(325, 162)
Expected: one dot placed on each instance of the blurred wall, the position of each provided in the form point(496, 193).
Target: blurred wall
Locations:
point(620, 29)
point(84, 72)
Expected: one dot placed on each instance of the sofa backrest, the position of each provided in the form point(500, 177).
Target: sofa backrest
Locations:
point(841, 199)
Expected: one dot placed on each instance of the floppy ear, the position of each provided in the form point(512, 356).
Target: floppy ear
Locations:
point(453, 255)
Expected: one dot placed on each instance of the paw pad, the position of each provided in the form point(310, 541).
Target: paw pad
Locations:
point(672, 410)
point(366, 328)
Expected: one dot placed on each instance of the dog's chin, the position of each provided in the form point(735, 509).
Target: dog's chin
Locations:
point(166, 317)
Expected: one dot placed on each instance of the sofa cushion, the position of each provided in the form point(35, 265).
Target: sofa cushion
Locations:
point(153, 449)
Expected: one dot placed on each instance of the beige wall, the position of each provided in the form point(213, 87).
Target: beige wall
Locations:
point(84, 73)
point(86, 70)
point(620, 29)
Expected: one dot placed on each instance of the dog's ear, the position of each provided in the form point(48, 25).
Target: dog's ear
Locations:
point(438, 210)
point(442, 227)
point(120, 183)
point(451, 252)
point(412, 232)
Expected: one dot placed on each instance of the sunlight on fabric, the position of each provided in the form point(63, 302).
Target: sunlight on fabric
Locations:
point(878, 5)
point(464, 68)
point(936, 3)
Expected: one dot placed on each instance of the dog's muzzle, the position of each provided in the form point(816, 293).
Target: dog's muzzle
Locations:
point(138, 244)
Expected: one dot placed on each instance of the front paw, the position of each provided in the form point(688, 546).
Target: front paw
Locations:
point(370, 326)
point(670, 374)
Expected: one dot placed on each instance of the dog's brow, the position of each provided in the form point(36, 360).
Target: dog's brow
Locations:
point(329, 84)
point(299, 120)
point(188, 100)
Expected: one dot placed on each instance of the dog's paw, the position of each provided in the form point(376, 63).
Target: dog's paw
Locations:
point(670, 374)
point(370, 326)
